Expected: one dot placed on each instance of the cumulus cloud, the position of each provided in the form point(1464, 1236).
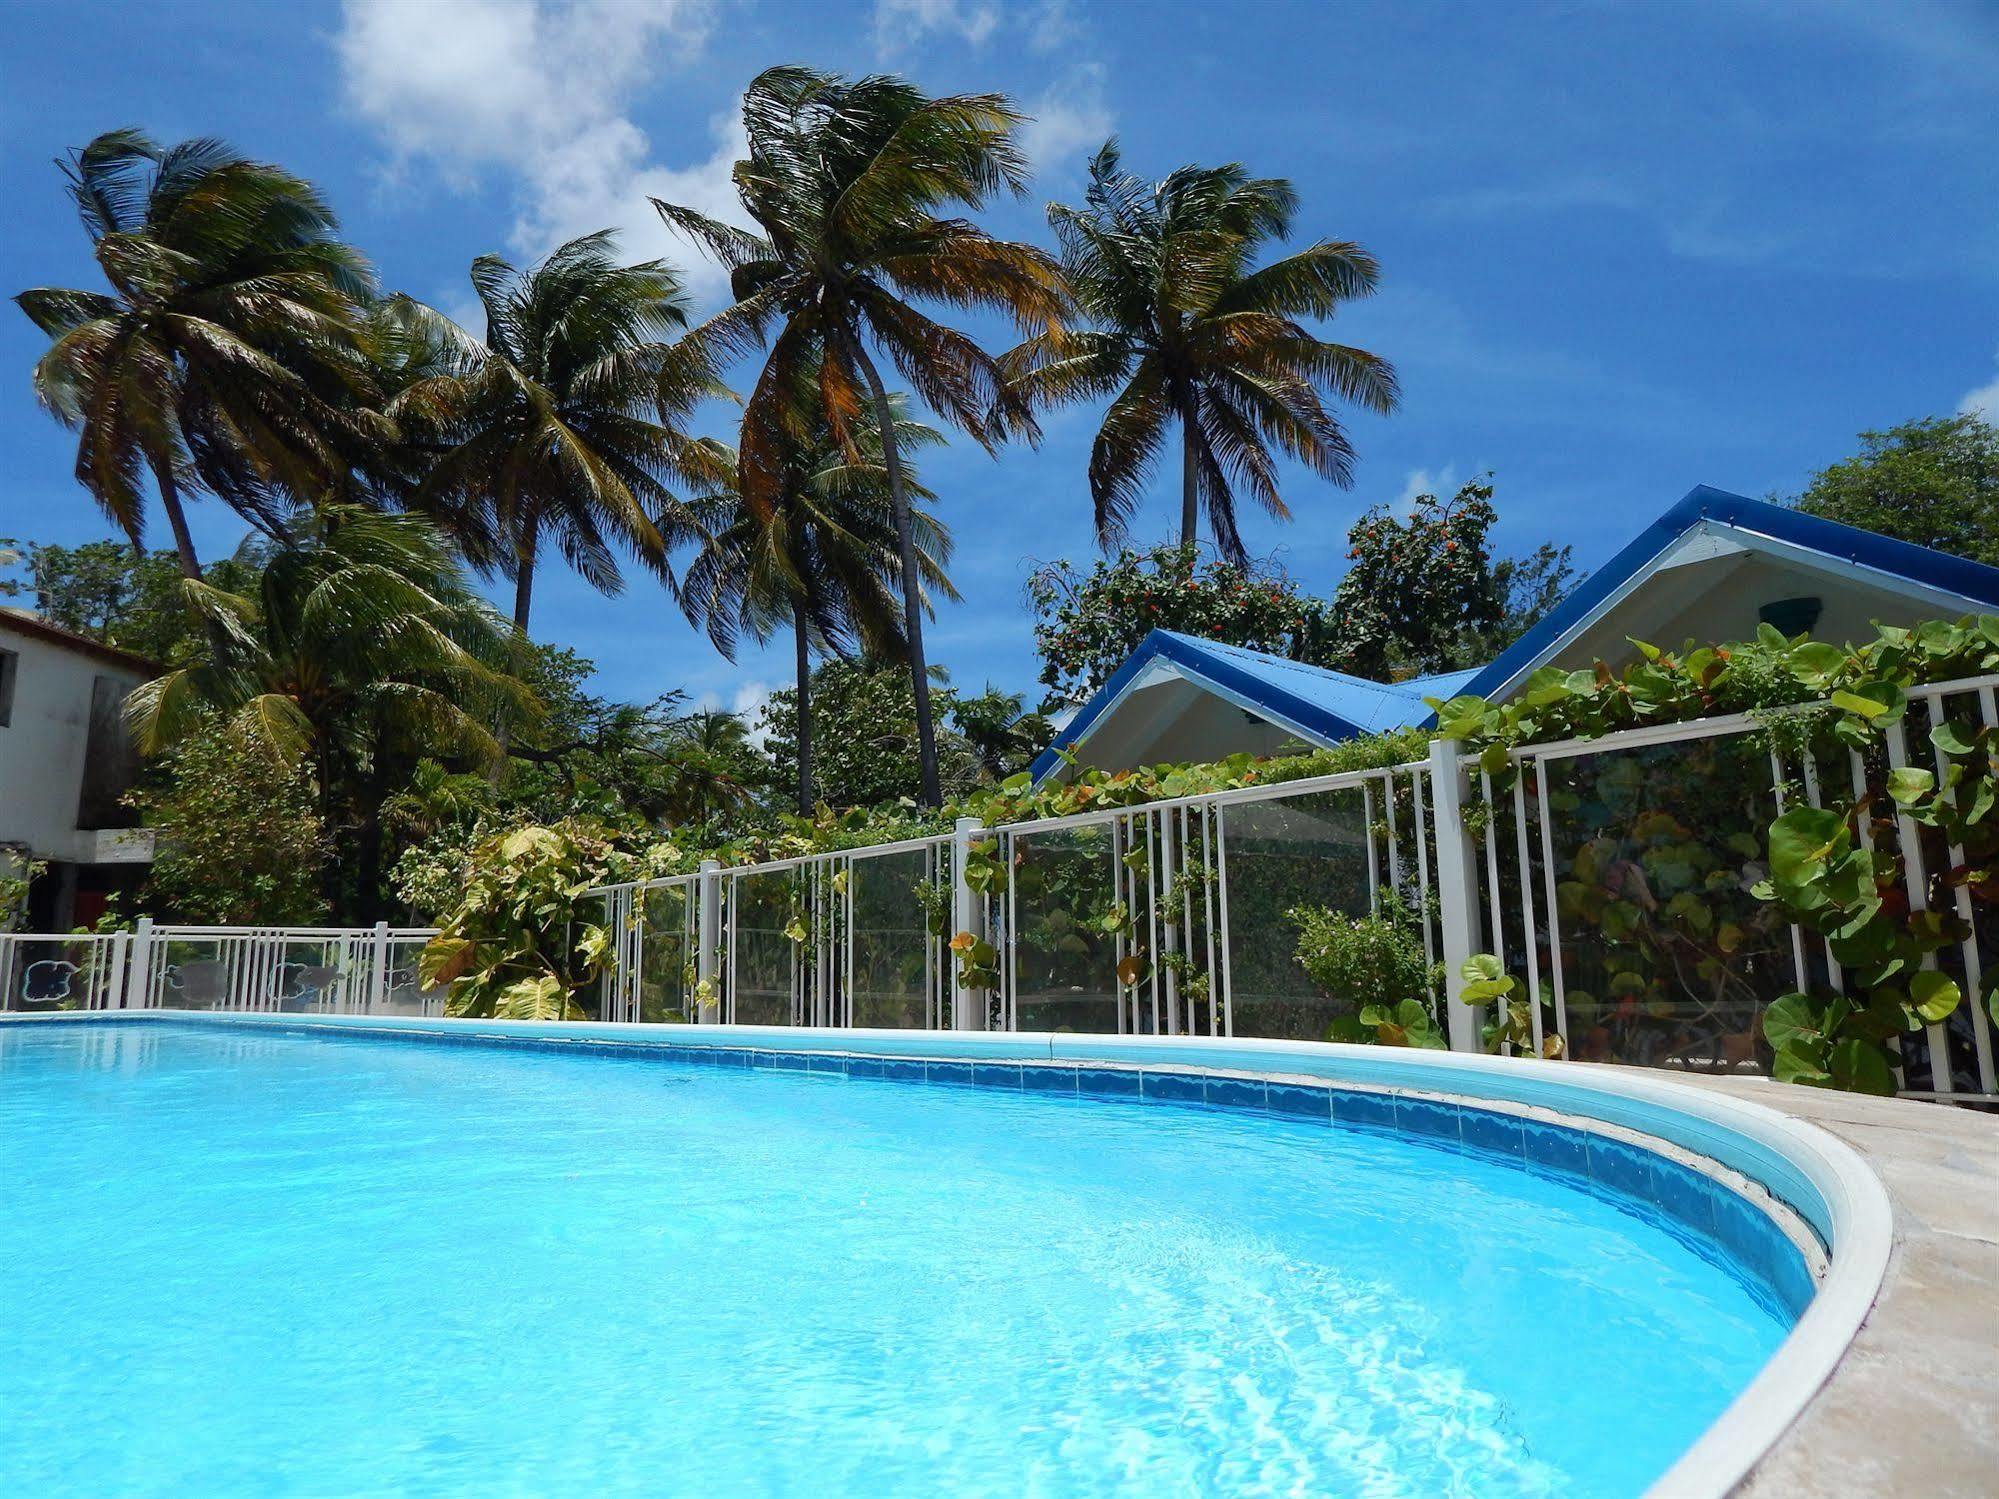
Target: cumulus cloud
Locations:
point(1983, 401)
point(1069, 121)
point(900, 24)
point(539, 90)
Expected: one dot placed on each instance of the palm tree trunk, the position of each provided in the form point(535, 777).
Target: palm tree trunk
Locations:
point(804, 726)
point(524, 588)
point(1190, 489)
point(523, 601)
point(190, 565)
point(912, 581)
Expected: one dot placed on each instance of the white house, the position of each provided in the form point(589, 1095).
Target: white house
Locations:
point(65, 765)
point(1709, 569)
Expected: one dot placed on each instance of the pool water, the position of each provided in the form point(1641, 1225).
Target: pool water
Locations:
point(276, 1264)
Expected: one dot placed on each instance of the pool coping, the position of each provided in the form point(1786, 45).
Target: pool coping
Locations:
point(1822, 1179)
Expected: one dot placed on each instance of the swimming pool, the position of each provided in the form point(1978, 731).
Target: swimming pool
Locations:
point(244, 1260)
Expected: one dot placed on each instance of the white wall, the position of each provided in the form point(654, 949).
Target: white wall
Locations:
point(42, 746)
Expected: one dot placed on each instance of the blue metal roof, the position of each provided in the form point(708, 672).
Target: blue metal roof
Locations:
point(1333, 706)
point(1897, 559)
point(1329, 705)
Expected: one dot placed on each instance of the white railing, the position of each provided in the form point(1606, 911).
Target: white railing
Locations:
point(318, 970)
point(1611, 877)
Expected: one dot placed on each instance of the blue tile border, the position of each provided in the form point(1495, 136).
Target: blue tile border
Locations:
point(1733, 1231)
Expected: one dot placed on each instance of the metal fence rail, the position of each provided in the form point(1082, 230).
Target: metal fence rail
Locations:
point(1611, 877)
point(296, 970)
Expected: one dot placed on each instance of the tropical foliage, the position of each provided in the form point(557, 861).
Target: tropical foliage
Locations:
point(823, 559)
point(1662, 900)
point(562, 429)
point(503, 950)
point(1088, 623)
point(1423, 593)
point(1182, 327)
point(1374, 965)
point(224, 358)
point(846, 181)
point(243, 841)
point(1934, 482)
point(362, 645)
point(128, 598)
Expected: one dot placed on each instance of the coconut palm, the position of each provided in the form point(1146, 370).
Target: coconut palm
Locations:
point(846, 181)
point(823, 559)
point(564, 425)
point(362, 643)
point(224, 357)
point(1185, 327)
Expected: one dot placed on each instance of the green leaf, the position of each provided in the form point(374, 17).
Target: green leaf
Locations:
point(1867, 707)
point(1790, 1019)
point(1803, 840)
point(1933, 995)
point(1861, 1067)
point(1908, 785)
point(1802, 1063)
point(1954, 739)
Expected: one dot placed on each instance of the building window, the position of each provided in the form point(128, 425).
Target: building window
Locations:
point(10, 666)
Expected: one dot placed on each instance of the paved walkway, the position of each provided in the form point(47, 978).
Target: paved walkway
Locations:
point(1913, 1408)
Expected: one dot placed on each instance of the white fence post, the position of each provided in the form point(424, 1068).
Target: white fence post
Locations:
point(968, 1005)
point(376, 1001)
point(1457, 889)
point(708, 938)
point(139, 968)
point(113, 990)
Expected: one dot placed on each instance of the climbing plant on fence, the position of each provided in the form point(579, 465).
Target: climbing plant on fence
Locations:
point(1826, 871)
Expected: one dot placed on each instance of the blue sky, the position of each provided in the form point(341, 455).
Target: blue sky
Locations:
point(1626, 248)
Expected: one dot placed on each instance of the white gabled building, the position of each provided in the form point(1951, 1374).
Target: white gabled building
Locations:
point(66, 763)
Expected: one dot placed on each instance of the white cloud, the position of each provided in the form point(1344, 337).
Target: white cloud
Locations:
point(748, 705)
point(538, 90)
point(1443, 483)
point(903, 23)
point(1069, 120)
point(1983, 401)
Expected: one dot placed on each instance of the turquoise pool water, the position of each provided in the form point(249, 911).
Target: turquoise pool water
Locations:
point(273, 1264)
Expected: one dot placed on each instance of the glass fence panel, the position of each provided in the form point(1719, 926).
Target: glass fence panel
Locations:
point(1667, 960)
point(198, 973)
point(893, 951)
point(767, 913)
point(666, 953)
point(315, 976)
point(1064, 903)
point(1306, 850)
point(56, 973)
point(405, 992)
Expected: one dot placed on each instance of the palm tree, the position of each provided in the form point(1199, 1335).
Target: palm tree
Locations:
point(564, 426)
point(363, 642)
point(825, 559)
point(1185, 328)
point(846, 180)
point(224, 357)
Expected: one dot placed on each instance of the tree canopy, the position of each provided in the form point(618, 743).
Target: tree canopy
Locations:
point(1934, 482)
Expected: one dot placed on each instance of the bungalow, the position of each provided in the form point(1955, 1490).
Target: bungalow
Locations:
point(66, 762)
point(1711, 568)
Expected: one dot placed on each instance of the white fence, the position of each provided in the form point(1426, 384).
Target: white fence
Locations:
point(1612, 877)
point(299, 970)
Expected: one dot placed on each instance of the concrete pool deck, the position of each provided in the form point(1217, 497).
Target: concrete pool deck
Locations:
point(1913, 1406)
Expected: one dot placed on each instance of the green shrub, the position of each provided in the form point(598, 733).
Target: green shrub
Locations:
point(1375, 963)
